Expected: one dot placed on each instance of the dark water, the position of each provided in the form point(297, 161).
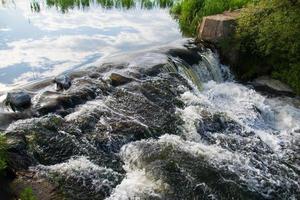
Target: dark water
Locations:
point(41, 39)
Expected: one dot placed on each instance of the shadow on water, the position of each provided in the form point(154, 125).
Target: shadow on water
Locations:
point(66, 5)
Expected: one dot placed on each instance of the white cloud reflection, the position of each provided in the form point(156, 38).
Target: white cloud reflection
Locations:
point(60, 42)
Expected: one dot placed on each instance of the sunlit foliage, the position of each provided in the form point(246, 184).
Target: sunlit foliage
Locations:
point(270, 31)
point(190, 12)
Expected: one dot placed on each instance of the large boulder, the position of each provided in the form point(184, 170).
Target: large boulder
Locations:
point(217, 31)
point(215, 28)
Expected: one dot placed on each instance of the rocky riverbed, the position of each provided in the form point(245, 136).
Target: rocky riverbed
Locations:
point(165, 123)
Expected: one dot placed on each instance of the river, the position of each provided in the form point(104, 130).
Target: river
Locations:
point(41, 39)
point(164, 121)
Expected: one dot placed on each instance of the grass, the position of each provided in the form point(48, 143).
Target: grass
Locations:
point(190, 12)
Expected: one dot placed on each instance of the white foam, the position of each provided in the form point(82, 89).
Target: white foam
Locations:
point(135, 185)
point(82, 168)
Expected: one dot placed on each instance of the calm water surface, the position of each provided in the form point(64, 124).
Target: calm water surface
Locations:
point(40, 39)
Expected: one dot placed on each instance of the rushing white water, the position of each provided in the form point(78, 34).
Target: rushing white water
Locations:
point(271, 121)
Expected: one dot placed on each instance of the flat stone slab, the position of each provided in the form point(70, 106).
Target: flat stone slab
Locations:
point(273, 84)
point(217, 27)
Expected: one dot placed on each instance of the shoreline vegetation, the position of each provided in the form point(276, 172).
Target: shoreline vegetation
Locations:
point(267, 38)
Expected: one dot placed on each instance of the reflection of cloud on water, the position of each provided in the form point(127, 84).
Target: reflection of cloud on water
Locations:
point(51, 42)
point(63, 48)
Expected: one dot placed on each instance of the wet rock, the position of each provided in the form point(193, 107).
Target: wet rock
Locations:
point(63, 82)
point(80, 179)
point(111, 135)
point(171, 161)
point(83, 89)
point(7, 118)
point(137, 106)
point(18, 101)
point(18, 158)
point(117, 79)
point(40, 140)
point(217, 123)
point(271, 87)
point(189, 56)
point(165, 90)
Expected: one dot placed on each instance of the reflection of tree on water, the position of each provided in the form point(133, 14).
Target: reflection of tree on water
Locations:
point(35, 6)
point(65, 5)
point(5, 3)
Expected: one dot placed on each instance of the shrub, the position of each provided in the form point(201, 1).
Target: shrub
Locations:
point(190, 12)
point(270, 31)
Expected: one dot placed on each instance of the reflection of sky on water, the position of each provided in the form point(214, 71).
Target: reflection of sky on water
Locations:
point(38, 45)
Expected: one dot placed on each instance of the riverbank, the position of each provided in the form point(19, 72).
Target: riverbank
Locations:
point(266, 41)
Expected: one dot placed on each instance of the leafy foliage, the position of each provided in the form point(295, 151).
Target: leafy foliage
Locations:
point(27, 194)
point(190, 12)
point(270, 31)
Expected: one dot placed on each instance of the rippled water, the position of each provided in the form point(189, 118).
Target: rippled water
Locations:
point(40, 39)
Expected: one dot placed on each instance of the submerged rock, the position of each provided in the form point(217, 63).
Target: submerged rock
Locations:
point(81, 179)
point(18, 101)
point(117, 79)
point(207, 172)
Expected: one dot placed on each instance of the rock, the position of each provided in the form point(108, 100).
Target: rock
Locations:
point(83, 89)
point(44, 140)
point(81, 179)
point(18, 101)
point(217, 32)
point(18, 157)
point(117, 79)
point(214, 28)
point(63, 82)
point(269, 86)
point(172, 160)
point(40, 187)
point(7, 118)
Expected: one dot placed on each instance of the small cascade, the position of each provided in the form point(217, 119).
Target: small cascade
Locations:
point(208, 68)
point(179, 127)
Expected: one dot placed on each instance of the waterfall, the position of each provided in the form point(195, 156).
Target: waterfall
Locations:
point(207, 69)
point(180, 127)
